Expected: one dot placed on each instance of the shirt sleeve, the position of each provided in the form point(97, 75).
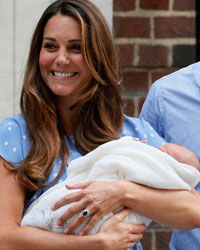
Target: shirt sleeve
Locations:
point(11, 142)
point(153, 109)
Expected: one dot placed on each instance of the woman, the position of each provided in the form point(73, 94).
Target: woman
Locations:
point(71, 103)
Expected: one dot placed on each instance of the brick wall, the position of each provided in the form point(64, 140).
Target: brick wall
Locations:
point(154, 38)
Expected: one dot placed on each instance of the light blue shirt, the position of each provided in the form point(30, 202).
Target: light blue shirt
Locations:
point(14, 145)
point(172, 107)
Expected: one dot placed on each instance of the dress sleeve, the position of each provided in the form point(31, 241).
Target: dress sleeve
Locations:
point(152, 137)
point(11, 142)
point(141, 129)
point(153, 109)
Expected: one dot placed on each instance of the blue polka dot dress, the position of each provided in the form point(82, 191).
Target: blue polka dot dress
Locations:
point(14, 145)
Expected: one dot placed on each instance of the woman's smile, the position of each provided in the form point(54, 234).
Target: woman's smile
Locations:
point(63, 75)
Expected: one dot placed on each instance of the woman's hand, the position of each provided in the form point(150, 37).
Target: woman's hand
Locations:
point(120, 235)
point(99, 198)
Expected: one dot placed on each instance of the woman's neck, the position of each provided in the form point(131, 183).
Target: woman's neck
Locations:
point(68, 118)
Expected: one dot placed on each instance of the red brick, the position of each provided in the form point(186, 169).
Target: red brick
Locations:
point(162, 239)
point(173, 27)
point(184, 5)
point(140, 104)
point(132, 27)
point(135, 81)
point(158, 75)
point(126, 54)
point(147, 240)
point(123, 5)
point(154, 5)
point(153, 56)
point(129, 107)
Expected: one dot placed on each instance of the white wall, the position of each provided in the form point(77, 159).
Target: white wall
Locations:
point(17, 21)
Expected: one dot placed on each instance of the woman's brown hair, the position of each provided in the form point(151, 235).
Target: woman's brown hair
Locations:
point(98, 105)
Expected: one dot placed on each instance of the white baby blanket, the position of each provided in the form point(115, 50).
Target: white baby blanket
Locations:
point(123, 159)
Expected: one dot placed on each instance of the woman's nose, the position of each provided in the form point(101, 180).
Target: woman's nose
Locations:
point(62, 58)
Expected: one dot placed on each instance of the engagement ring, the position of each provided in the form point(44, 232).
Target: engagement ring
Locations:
point(85, 213)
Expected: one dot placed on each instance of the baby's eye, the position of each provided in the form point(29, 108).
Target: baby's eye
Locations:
point(76, 47)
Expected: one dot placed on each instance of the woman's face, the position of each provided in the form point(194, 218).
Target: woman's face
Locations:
point(62, 65)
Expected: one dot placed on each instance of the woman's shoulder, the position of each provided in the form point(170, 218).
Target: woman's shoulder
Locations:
point(13, 139)
point(139, 128)
point(14, 127)
point(13, 122)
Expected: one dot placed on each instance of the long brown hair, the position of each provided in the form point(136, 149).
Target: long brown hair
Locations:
point(98, 105)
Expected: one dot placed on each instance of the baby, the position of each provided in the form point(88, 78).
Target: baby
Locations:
point(181, 154)
point(127, 159)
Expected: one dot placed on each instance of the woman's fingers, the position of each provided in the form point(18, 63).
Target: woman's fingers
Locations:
point(137, 229)
point(79, 185)
point(137, 139)
point(133, 238)
point(76, 196)
point(91, 224)
point(78, 221)
point(128, 234)
point(96, 216)
point(93, 218)
point(70, 198)
point(71, 211)
point(122, 214)
point(99, 198)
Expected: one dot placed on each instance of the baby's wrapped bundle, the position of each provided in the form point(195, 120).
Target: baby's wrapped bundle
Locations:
point(122, 159)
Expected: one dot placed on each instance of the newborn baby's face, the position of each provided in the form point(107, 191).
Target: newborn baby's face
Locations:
point(181, 154)
point(174, 150)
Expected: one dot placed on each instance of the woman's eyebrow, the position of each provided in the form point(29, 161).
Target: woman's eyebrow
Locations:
point(74, 40)
point(70, 41)
point(49, 38)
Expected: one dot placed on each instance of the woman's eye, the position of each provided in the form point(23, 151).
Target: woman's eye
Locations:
point(76, 47)
point(49, 46)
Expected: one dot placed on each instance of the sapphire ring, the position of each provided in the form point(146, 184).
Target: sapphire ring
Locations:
point(85, 213)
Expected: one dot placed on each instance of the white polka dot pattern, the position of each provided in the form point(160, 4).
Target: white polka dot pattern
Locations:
point(14, 142)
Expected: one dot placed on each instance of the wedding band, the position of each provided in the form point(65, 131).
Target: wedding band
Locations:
point(85, 213)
